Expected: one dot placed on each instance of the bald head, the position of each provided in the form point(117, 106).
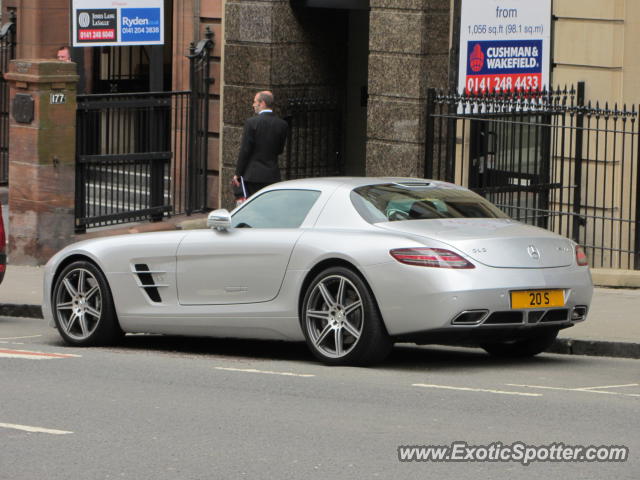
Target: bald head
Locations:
point(263, 101)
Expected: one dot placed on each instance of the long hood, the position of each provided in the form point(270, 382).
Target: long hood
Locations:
point(131, 240)
point(116, 253)
point(502, 243)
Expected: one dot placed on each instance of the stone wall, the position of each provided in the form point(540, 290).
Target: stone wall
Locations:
point(271, 46)
point(42, 161)
point(301, 52)
point(409, 53)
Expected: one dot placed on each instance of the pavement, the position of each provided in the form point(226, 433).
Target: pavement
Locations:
point(612, 327)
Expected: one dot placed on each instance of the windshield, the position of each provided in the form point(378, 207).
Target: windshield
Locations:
point(392, 202)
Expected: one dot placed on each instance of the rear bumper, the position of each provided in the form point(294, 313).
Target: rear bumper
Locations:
point(474, 337)
point(416, 300)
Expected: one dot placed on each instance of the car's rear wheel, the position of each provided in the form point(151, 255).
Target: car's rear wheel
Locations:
point(83, 307)
point(341, 321)
point(527, 347)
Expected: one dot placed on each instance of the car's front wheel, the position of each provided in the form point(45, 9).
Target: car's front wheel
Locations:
point(83, 307)
point(526, 347)
point(341, 321)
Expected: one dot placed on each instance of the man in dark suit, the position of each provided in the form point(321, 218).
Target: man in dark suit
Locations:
point(263, 140)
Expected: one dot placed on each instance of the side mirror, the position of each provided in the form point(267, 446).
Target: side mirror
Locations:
point(219, 219)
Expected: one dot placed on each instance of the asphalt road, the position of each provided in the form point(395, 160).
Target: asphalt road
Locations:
point(172, 408)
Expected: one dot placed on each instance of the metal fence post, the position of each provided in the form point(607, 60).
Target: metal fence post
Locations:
point(199, 81)
point(430, 134)
point(577, 171)
point(192, 130)
point(156, 180)
point(80, 226)
point(450, 165)
point(636, 248)
point(207, 81)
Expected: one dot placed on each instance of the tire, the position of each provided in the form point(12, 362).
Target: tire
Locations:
point(527, 347)
point(83, 307)
point(341, 321)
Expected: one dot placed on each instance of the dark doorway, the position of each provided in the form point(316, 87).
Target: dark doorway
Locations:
point(340, 106)
point(121, 69)
point(355, 146)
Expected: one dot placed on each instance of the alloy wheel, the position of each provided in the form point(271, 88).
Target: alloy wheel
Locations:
point(78, 303)
point(334, 315)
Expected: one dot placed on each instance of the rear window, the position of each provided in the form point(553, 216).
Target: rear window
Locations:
point(392, 202)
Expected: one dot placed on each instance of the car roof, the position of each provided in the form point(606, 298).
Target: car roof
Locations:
point(354, 182)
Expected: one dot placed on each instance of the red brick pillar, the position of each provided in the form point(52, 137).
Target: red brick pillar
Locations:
point(42, 136)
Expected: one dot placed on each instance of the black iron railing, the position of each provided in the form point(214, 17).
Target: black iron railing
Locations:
point(548, 159)
point(131, 157)
point(7, 53)
point(314, 143)
point(143, 156)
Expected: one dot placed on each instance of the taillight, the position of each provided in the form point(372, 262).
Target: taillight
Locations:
point(430, 257)
point(581, 256)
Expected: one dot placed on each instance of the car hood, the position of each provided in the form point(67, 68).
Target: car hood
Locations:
point(502, 243)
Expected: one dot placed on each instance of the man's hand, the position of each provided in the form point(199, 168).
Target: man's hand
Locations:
point(235, 181)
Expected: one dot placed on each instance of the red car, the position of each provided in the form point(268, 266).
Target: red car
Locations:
point(3, 253)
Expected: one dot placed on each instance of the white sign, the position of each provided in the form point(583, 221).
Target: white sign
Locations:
point(117, 22)
point(505, 45)
point(57, 98)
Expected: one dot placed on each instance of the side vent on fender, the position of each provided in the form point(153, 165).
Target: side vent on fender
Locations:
point(147, 283)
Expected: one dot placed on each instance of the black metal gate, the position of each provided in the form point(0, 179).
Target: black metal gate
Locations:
point(143, 155)
point(7, 53)
point(546, 159)
point(200, 81)
point(314, 144)
point(510, 165)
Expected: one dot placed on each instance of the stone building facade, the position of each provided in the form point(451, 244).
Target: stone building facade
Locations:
point(378, 56)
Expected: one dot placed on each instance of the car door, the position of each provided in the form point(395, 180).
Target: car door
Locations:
point(246, 263)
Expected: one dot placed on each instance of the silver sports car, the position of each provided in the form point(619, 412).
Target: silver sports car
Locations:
point(349, 265)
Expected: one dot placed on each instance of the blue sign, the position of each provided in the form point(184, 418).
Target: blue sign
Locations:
point(140, 25)
point(500, 57)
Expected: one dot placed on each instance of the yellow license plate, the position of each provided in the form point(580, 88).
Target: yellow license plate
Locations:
point(537, 299)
